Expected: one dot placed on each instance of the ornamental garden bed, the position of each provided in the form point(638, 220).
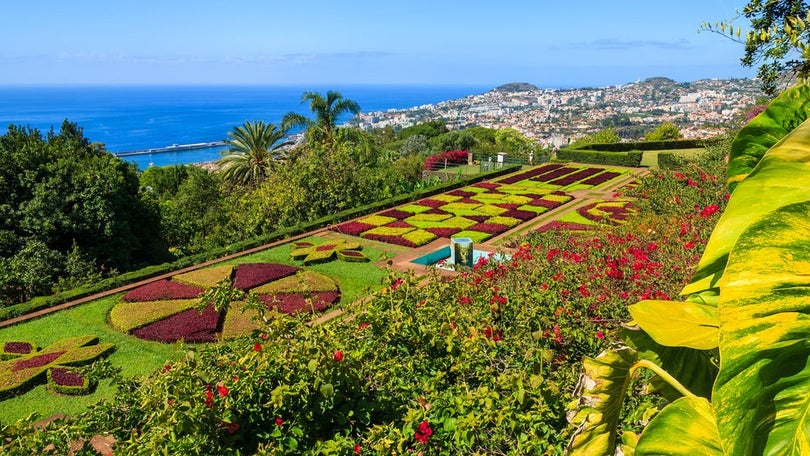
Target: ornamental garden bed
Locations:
point(480, 211)
point(597, 213)
point(176, 317)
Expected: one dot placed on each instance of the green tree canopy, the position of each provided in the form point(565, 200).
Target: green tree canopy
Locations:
point(605, 136)
point(665, 131)
point(254, 147)
point(62, 194)
point(321, 131)
point(778, 39)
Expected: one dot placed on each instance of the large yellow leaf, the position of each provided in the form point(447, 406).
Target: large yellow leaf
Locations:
point(686, 427)
point(762, 392)
point(779, 179)
point(678, 324)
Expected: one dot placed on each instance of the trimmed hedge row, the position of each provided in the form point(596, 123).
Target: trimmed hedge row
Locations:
point(650, 145)
point(43, 302)
point(630, 159)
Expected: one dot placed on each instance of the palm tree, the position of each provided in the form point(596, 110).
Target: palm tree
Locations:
point(254, 146)
point(322, 130)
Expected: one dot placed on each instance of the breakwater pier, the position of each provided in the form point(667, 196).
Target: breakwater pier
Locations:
point(172, 148)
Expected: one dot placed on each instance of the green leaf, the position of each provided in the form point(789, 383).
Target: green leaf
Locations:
point(696, 370)
point(686, 427)
point(678, 324)
point(782, 175)
point(762, 393)
point(601, 392)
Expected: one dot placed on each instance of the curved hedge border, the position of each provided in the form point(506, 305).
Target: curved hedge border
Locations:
point(128, 278)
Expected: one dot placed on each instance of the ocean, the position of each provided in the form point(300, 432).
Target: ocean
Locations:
point(129, 118)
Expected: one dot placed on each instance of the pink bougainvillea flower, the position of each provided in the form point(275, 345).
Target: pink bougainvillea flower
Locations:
point(279, 421)
point(338, 356)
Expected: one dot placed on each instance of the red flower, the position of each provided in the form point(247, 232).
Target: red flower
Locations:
point(709, 210)
point(167, 368)
point(363, 326)
point(279, 421)
point(209, 398)
point(358, 449)
point(396, 283)
point(338, 356)
point(223, 390)
point(600, 335)
point(689, 245)
point(423, 433)
point(257, 347)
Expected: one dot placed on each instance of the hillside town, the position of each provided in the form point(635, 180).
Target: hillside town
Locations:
point(555, 117)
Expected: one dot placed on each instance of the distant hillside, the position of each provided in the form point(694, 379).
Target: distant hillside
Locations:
point(516, 87)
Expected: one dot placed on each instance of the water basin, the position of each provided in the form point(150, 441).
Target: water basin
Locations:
point(441, 257)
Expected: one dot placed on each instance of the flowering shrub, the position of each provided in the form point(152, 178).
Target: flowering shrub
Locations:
point(452, 157)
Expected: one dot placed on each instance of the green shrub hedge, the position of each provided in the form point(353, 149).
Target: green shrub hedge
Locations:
point(631, 158)
point(650, 145)
point(43, 302)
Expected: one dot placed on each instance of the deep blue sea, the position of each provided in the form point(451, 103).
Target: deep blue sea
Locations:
point(129, 119)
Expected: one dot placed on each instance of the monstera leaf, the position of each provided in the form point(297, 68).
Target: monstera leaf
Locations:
point(762, 393)
point(779, 179)
point(783, 114)
point(686, 427)
point(678, 324)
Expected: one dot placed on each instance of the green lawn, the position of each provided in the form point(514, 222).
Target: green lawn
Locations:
point(138, 357)
point(649, 158)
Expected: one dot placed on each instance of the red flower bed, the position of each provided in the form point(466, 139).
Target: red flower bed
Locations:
point(352, 228)
point(189, 325)
point(396, 213)
point(162, 289)
point(64, 377)
point(461, 193)
point(249, 275)
point(570, 226)
point(36, 361)
point(467, 201)
point(436, 211)
point(555, 174)
point(478, 218)
point(544, 203)
point(577, 176)
point(431, 203)
point(443, 232)
point(531, 173)
point(352, 253)
point(323, 247)
point(22, 348)
point(510, 206)
point(295, 303)
point(489, 228)
point(601, 178)
point(399, 224)
point(520, 215)
point(486, 185)
point(390, 239)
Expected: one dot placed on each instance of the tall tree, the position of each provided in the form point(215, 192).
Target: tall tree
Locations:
point(778, 40)
point(322, 131)
point(254, 146)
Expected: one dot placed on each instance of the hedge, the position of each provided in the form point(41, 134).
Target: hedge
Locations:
point(649, 145)
point(43, 302)
point(630, 159)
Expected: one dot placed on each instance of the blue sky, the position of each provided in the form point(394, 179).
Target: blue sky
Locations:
point(572, 43)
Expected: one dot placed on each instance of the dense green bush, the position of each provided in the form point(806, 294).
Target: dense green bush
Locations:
point(631, 159)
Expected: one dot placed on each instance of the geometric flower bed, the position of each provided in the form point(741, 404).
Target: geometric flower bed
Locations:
point(310, 253)
point(589, 216)
point(479, 211)
point(175, 315)
point(23, 365)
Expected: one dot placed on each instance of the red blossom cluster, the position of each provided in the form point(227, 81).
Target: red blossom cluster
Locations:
point(20, 348)
point(249, 275)
point(424, 432)
point(190, 326)
point(452, 157)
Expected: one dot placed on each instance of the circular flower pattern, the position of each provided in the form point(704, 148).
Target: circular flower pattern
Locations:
point(166, 310)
